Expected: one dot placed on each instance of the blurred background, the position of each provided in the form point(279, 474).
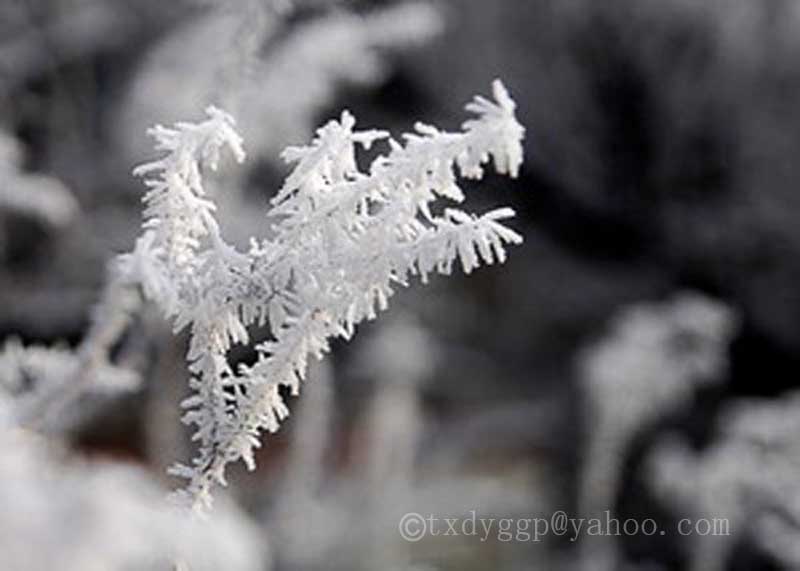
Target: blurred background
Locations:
point(638, 354)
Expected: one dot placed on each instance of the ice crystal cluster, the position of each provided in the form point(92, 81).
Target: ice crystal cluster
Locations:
point(342, 239)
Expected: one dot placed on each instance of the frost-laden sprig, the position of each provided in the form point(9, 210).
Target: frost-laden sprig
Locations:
point(342, 240)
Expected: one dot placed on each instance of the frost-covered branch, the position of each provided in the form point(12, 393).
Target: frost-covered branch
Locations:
point(57, 377)
point(343, 240)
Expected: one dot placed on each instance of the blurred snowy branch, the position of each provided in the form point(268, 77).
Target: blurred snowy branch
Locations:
point(279, 77)
point(748, 477)
point(651, 363)
point(40, 197)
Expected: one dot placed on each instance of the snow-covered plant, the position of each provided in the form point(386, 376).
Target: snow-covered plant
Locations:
point(343, 240)
point(653, 360)
point(748, 477)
